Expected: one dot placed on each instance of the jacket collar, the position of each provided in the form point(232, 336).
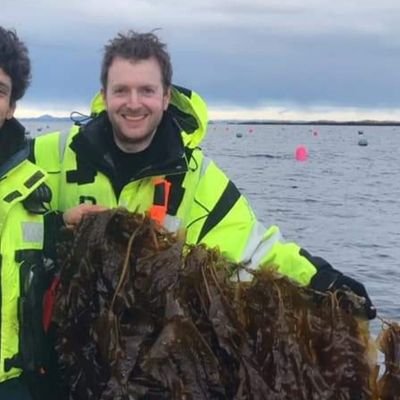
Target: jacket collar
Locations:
point(14, 147)
point(91, 144)
point(12, 139)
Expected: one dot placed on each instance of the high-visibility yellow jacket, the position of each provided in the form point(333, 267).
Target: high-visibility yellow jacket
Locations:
point(202, 198)
point(22, 193)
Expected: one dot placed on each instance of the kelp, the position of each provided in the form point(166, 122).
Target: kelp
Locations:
point(389, 343)
point(141, 316)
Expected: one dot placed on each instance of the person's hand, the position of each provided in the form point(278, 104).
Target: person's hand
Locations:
point(329, 279)
point(73, 216)
point(344, 282)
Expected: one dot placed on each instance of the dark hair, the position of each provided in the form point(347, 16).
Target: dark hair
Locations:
point(15, 62)
point(137, 46)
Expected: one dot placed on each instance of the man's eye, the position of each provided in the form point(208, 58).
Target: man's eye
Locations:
point(119, 90)
point(148, 91)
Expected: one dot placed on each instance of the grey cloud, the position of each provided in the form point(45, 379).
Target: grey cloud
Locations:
point(335, 70)
point(343, 52)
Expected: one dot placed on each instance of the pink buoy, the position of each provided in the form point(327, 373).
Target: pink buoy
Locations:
point(301, 153)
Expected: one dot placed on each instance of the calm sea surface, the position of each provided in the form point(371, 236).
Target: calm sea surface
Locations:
point(342, 203)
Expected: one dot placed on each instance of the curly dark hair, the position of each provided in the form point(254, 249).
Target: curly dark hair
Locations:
point(15, 62)
point(137, 46)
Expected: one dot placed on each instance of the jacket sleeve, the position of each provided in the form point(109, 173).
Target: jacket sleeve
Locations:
point(221, 217)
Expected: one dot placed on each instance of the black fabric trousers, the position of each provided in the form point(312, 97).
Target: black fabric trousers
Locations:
point(14, 389)
point(44, 387)
point(32, 386)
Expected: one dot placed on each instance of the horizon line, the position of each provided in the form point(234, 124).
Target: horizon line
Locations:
point(257, 121)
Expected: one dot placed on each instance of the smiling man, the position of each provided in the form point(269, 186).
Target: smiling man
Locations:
point(141, 151)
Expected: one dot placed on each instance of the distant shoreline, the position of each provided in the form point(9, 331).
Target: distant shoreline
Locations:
point(48, 118)
point(313, 123)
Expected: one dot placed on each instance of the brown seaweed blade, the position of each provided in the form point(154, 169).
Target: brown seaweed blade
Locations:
point(210, 296)
point(389, 343)
point(140, 316)
point(306, 351)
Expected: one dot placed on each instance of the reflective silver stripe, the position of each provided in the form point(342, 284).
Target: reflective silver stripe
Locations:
point(255, 239)
point(264, 248)
point(62, 143)
point(172, 223)
point(32, 232)
point(206, 162)
point(256, 249)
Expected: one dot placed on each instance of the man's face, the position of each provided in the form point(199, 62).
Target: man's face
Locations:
point(6, 109)
point(135, 101)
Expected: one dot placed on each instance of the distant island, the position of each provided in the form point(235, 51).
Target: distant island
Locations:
point(319, 122)
point(47, 118)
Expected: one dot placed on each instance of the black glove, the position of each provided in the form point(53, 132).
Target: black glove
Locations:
point(329, 279)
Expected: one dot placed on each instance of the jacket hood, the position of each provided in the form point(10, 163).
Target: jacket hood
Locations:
point(187, 108)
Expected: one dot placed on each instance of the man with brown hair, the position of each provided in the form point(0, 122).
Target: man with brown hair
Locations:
point(141, 151)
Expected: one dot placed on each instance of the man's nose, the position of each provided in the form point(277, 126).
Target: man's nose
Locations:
point(133, 98)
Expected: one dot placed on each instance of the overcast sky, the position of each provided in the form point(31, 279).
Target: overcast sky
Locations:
point(248, 58)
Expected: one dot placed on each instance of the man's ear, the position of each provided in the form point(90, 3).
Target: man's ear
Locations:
point(167, 98)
